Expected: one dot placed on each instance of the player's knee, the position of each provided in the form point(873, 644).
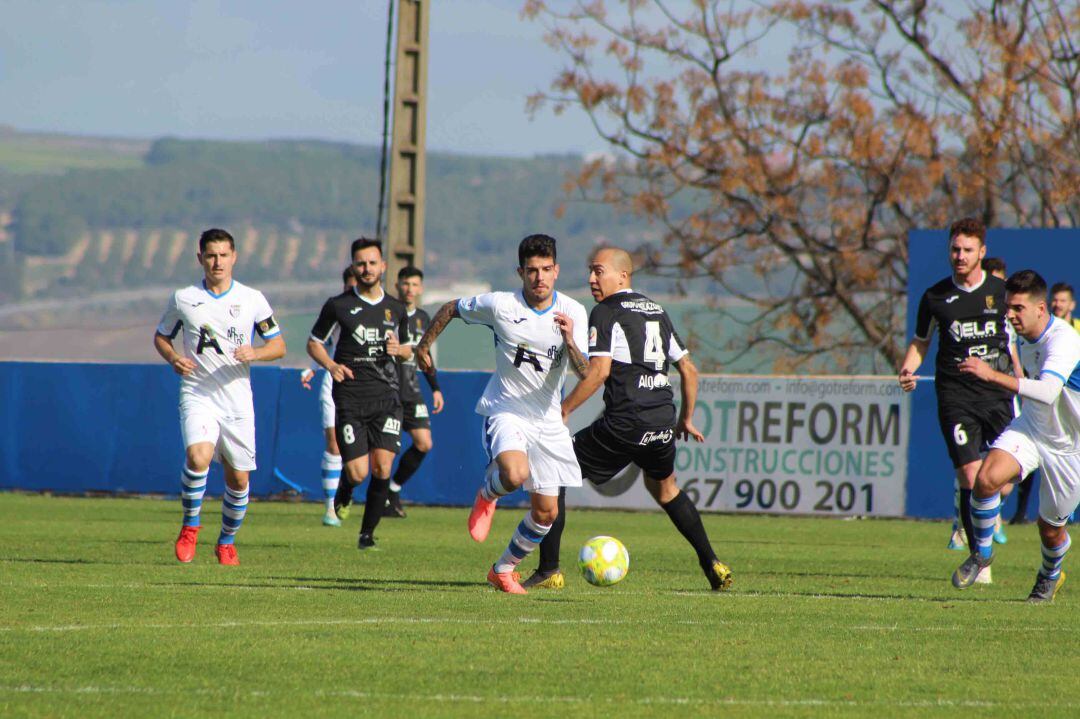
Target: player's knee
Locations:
point(199, 458)
point(332, 445)
point(1050, 535)
point(422, 444)
point(545, 515)
point(662, 490)
point(513, 477)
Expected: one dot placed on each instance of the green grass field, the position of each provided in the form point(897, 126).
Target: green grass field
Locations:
point(826, 618)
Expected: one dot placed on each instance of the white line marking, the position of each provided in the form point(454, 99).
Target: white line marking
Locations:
point(518, 699)
point(372, 621)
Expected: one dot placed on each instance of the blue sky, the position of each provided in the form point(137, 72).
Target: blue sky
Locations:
point(247, 69)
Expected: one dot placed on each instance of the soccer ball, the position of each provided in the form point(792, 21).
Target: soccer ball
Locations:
point(603, 561)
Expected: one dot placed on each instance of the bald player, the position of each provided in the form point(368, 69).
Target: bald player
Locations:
point(632, 345)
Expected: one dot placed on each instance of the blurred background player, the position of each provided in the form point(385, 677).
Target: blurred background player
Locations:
point(632, 345)
point(330, 467)
point(217, 413)
point(367, 408)
point(415, 418)
point(1045, 435)
point(538, 333)
point(967, 310)
point(1063, 304)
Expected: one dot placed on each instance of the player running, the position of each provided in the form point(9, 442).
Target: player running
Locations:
point(632, 345)
point(1045, 436)
point(367, 418)
point(538, 333)
point(967, 309)
point(217, 415)
point(416, 420)
point(330, 467)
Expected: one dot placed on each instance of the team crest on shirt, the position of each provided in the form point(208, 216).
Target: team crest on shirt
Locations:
point(234, 311)
point(388, 316)
point(989, 302)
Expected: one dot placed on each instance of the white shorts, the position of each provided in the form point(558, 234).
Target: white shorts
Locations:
point(550, 449)
point(1059, 489)
point(233, 437)
point(326, 400)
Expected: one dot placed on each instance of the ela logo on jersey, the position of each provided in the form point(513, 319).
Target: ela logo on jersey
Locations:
point(972, 329)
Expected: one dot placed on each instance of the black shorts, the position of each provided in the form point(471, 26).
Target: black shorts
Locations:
point(603, 453)
point(415, 416)
point(970, 427)
point(361, 426)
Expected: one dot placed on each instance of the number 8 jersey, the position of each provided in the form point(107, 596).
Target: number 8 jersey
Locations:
point(638, 336)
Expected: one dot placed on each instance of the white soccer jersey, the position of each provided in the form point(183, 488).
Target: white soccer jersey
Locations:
point(530, 355)
point(1055, 354)
point(214, 326)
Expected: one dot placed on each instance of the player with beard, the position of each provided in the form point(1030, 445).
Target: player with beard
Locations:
point(538, 335)
point(632, 346)
point(967, 309)
point(364, 368)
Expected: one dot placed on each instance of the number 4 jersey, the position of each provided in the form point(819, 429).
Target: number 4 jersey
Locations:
point(530, 355)
point(638, 336)
point(214, 326)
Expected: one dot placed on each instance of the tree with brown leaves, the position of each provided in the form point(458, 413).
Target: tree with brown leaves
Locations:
point(796, 143)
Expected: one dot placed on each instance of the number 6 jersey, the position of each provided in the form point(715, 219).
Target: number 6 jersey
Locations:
point(530, 355)
point(638, 336)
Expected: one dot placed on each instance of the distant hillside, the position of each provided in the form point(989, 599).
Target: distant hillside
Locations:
point(294, 205)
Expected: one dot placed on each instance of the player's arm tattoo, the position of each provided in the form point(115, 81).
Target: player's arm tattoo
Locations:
point(438, 323)
point(578, 361)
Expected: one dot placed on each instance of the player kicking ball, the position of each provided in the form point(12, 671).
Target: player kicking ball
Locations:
point(217, 414)
point(1045, 436)
point(538, 333)
point(632, 346)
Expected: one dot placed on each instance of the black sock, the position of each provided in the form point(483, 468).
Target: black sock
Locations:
point(343, 495)
point(410, 462)
point(685, 517)
point(549, 548)
point(376, 501)
point(965, 518)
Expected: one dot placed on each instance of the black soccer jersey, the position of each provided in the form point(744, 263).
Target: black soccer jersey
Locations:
point(418, 322)
point(969, 323)
point(365, 327)
point(638, 336)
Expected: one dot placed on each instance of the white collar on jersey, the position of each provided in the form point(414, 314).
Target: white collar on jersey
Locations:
point(969, 290)
point(365, 299)
point(624, 291)
point(554, 299)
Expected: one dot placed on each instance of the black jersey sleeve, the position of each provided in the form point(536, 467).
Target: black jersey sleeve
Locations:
point(403, 327)
point(601, 321)
point(924, 320)
point(324, 325)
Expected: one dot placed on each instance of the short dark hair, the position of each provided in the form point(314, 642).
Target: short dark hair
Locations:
point(1026, 282)
point(409, 271)
point(536, 246)
point(362, 243)
point(215, 234)
point(346, 275)
point(1062, 287)
point(970, 226)
point(994, 264)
